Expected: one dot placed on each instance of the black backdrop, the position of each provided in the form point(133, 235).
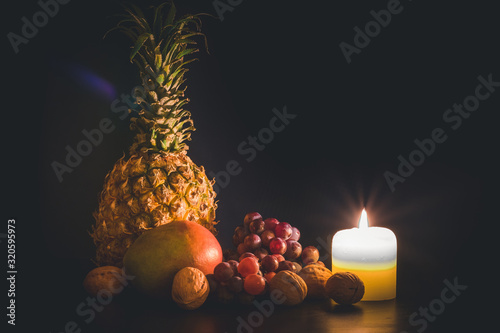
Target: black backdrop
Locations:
point(352, 121)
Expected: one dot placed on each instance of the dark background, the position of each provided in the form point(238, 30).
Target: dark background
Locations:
point(352, 121)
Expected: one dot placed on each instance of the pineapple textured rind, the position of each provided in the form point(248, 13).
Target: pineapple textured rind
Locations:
point(146, 191)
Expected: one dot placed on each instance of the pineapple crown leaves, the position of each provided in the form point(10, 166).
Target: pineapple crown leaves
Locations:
point(160, 48)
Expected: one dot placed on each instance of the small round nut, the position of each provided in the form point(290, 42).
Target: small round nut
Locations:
point(315, 277)
point(292, 286)
point(190, 288)
point(345, 288)
point(104, 278)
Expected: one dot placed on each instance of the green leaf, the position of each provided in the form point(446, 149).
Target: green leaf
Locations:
point(163, 144)
point(160, 78)
point(158, 61)
point(170, 15)
point(120, 27)
point(138, 17)
point(139, 43)
point(177, 75)
point(187, 52)
point(128, 32)
point(138, 10)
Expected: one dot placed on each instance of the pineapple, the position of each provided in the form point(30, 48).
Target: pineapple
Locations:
point(158, 183)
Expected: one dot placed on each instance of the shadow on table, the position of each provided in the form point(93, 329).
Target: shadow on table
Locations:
point(140, 315)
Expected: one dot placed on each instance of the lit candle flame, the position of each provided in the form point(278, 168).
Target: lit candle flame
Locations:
point(363, 220)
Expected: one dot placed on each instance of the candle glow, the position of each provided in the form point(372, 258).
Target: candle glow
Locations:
point(371, 253)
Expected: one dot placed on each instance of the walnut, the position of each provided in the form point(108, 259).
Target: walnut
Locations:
point(345, 288)
point(190, 288)
point(292, 286)
point(104, 278)
point(315, 276)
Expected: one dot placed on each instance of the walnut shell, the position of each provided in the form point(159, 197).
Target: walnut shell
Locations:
point(190, 288)
point(345, 288)
point(315, 276)
point(291, 285)
point(104, 278)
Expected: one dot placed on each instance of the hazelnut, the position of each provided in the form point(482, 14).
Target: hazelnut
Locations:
point(190, 288)
point(345, 288)
point(291, 285)
point(315, 276)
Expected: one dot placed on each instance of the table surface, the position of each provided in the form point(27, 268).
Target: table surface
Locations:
point(310, 316)
point(67, 310)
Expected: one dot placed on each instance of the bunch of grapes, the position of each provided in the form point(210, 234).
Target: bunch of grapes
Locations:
point(275, 244)
point(263, 248)
point(271, 237)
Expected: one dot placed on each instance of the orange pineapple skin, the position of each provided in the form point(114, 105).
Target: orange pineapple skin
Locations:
point(145, 191)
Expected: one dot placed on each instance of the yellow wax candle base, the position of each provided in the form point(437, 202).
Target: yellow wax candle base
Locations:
point(379, 284)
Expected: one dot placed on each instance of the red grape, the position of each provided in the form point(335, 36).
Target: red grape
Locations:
point(271, 223)
point(241, 248)
point(260, 253)
point(277, 246)
point(266, 237)
point(310, 255)
point(223, 271)
point(252, 242)
point(248, 266)
point(248, 254)
point(234, 265)
point(235, 284)
point(240, 233)
point(279, 257)
point(295, 234)
point(254, 284)
point(269, 276)
point(283, 230)
point(257, 226)
point(212, 283)
point(269, 263)
point(250, 217)
point(293, 250)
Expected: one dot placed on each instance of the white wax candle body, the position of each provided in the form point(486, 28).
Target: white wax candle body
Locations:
point(371, 253)
point(365, 248)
